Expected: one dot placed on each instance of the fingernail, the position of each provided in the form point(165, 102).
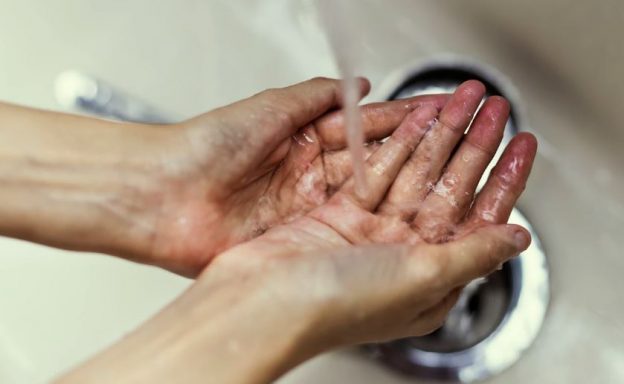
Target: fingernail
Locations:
point(522, 240)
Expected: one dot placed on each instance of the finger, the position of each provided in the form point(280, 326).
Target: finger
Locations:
point(378, 119)
point(382, 166)
point(327, 132)
point(423, 168)
point(339, 167)
point(505, 183)
point(478, 253)
point(453, 193)
point(278, 113)
point(308, 169)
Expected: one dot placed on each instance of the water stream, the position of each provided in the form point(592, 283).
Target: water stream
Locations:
point(341, 35)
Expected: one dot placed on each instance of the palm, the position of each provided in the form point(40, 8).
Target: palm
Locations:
point(290, 159)
point(424, 195)
point(421, 189)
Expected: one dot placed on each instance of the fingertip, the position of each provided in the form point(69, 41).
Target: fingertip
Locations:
point(364, 85)
point(460, 109)
point(521, 237)
point(528, 140)
point(521, 150)
point(515, 164)
point(488, 128)
point(522, 240)
point(501, 103)
point(472, 88)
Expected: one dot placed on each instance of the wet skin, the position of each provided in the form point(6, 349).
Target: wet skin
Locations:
point(323, 266)
point(433, 197)
point(280, 154)
point(421, 198)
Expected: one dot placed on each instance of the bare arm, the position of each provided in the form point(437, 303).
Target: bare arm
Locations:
point(79, 183)
point(317, 283)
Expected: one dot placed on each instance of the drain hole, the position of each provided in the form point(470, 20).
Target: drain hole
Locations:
point(473, 305)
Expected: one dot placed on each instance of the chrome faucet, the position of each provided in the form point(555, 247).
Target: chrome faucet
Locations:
point(79, 92)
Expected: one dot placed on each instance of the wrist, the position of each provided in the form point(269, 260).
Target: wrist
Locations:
point(263, 329)
point(261, 336)
point(227, 327)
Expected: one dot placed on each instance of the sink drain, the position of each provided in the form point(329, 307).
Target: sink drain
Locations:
point(497, 318)
point(480, 309)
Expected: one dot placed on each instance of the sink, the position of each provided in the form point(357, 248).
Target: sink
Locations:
point(60, 307)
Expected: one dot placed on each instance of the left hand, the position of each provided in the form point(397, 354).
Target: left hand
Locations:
point(262, 161)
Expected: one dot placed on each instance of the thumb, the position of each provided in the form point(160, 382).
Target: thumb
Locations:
point(482, 251)
point(280, 112)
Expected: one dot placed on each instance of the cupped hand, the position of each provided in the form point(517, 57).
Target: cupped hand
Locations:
point(257, 163)
point(422, 199)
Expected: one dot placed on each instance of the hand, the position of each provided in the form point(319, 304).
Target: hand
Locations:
point(257, 163)
point(421, 194)
point(317, 283)
point(176, 195)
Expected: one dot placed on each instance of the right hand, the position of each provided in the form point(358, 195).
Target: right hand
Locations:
point(421, 195)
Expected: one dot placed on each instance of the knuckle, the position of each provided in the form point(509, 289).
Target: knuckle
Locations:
point(479, 148)
point(320, 79)
point(452, 126)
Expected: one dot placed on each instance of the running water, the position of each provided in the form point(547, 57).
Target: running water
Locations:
point(340, 34)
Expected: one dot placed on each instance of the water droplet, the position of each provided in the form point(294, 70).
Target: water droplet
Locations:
point(307, 137)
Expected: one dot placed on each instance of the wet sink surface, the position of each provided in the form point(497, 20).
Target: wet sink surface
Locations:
point(58, 307)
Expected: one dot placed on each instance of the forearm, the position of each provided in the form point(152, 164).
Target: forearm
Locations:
point(220, 331)
point(76, 182)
